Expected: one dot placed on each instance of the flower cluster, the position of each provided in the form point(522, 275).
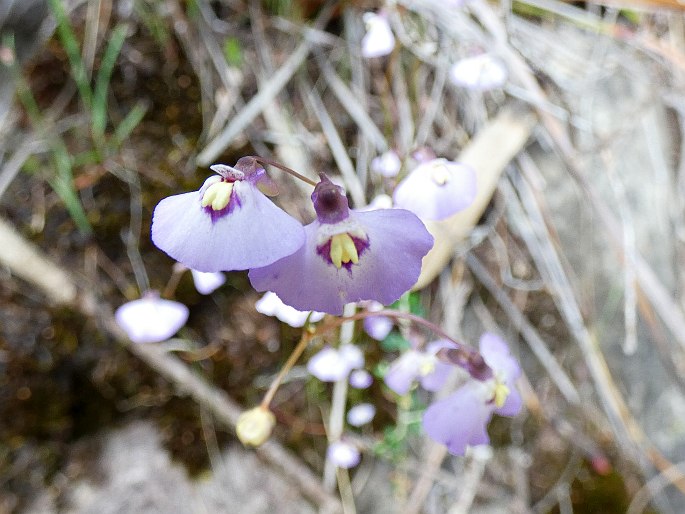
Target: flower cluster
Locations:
point(461, 419)
point(343, 256)
point(370, 257)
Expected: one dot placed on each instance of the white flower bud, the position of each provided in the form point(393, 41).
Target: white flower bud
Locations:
point(254, 426)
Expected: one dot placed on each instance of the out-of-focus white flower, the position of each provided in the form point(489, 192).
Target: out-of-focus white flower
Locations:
point(151, 319)
point(361, 414)
point(381, 201)
point(387, 165)
point(331, 365)
point(481, 73)
point(207, 283)
point(379, 39)
point(271, 305)
point(343, 454)
point(360, 379)
point(437, 189)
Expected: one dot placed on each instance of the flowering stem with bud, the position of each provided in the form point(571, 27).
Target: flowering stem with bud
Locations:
point(461, 355)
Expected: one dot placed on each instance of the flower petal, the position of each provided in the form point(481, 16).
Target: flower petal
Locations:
point(343, 454)
point(361, 414)
point(151, 319)
point(403, 371)
point(328, 365)
point(460, 419)
point(271, 305)
point(497, 355)
point(387, 268)
point(360, 379)
point(378, 327)
point(437, 189)
point(379, 39)
point(480, 73)
point(434, 380)
point(207, 283)
point(513, 403)
point(254, 232)
point(387, 164)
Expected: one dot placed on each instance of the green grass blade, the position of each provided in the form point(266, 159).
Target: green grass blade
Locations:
point(71, 47)
point(109, 58)
point(130, 122)
point(63, 184)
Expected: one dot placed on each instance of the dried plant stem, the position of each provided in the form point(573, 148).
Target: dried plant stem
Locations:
point(432, 462)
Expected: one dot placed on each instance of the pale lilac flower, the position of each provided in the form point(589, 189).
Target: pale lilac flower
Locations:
point(271, 305)
point(481, 73)
point(423, 154)
point(361, 414)
point(228, 224)
point(352, 355)
point(417, 365)
point(377, 327)
point(461, 419)
point(348, 256)
point(331, 365)
point(151, 319)
point(343, 454)
point(207, 283)
point(360, 379)
point(387, 164)
point(437, 189)
point(379, 39)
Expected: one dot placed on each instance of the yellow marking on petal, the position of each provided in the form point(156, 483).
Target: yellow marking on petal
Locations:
point(501, 394)
point(343, 250)
point(427, 367)
point(217, 195)
point(440, 174)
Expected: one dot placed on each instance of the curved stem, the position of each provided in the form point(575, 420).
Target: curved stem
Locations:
point(465, 356)
point(395, 315)
point(263, 160)
point(297, 352)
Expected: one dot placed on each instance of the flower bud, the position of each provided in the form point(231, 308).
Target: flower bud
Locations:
point(254, 426)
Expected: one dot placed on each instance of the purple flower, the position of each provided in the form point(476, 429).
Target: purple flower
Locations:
point(415, 365)
point(207, 283)
point(480, 73)
point(348, 256)
point(228, 224)
point(461, 419)
point(379, 39)
point(436, 189)
point(331, 365)
point(271, 305)
point(151, 319)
